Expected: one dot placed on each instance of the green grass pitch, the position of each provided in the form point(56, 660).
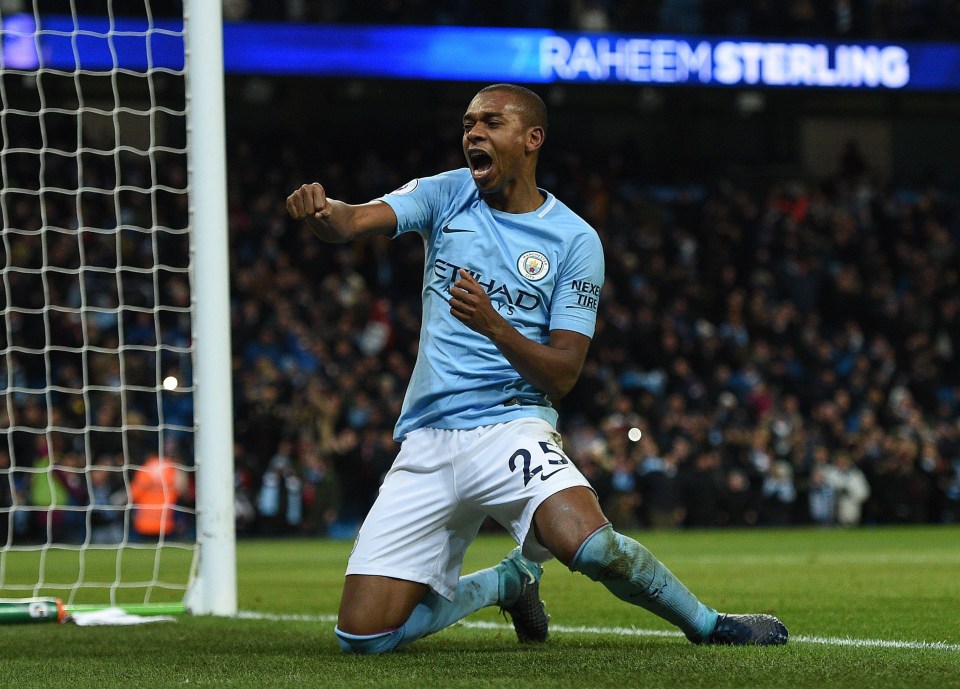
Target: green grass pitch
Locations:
point(866, 608)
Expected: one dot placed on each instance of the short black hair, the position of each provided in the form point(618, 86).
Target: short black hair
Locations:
point(533, 111)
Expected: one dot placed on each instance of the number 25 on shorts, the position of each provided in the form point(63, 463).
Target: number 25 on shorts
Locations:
point(529, 471)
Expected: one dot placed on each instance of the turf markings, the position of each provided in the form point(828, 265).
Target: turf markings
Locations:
point(632, 631)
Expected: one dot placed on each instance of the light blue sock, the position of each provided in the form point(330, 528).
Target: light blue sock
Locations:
point(433, 613)
point(474, 591)
point(368, 644)
point(634, 575)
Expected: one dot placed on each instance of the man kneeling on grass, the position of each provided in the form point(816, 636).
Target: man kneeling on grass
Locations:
point(510, 298)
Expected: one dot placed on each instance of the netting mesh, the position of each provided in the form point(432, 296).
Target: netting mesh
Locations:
point(96, 422)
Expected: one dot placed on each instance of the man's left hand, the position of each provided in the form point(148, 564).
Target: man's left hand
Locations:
point(470, 304)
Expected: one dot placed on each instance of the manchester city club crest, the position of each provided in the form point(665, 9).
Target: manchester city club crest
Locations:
point(533, 265)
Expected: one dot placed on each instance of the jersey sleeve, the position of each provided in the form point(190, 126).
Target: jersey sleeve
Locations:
point(420, 202)
point(577, 294)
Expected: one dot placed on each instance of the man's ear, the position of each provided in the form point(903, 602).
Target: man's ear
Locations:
point(535, 138)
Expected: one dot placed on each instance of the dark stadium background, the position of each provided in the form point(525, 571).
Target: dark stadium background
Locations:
point(783, 288)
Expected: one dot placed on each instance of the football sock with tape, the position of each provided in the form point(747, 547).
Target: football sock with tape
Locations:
point(433, 613)
point(634, 575)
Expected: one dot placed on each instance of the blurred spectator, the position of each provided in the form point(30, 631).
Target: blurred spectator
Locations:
point(702, 488)
point(659, 488)
point(779, 494)
point(321, 496)
point(108, 500)
point(244, 477)
point(822, 497)
point(58, 487)
point(851, 489)
point(156, 488)
point(280, 499)
point(594, 464)
point(624, 498)
point(741, 503)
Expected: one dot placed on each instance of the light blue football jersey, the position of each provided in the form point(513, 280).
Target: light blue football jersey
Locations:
point(543, 271)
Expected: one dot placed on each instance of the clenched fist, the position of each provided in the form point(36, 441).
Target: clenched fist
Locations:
point(309, 201)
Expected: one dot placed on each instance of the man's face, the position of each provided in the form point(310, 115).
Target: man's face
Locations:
point(494, 140)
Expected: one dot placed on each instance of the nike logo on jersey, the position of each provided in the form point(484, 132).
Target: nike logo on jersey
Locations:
point(446, 229)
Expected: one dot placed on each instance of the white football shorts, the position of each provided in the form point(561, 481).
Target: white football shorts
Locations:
point(442, 486)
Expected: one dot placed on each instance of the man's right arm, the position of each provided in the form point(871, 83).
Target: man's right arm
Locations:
point(338, 222)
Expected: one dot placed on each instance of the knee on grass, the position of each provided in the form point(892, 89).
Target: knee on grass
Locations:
point(368, 644)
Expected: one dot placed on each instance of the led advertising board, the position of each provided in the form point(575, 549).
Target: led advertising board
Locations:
point(486, 54)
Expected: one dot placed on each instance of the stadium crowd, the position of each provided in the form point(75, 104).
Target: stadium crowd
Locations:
point(86, 333)
point(789, 356)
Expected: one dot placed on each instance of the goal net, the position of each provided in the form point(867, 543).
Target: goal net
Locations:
point(99, 461)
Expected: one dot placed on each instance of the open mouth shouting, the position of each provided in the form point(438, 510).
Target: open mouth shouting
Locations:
point(481, 165)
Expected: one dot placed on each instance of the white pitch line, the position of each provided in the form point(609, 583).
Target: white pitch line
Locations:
point(278, 617)
point(633, 631)
point(564, 629)
point(877, 643)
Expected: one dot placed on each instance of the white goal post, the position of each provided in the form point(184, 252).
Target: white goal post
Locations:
point(116, 432)
point(214, 589)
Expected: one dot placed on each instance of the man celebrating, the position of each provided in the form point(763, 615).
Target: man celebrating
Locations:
point(510, 294)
